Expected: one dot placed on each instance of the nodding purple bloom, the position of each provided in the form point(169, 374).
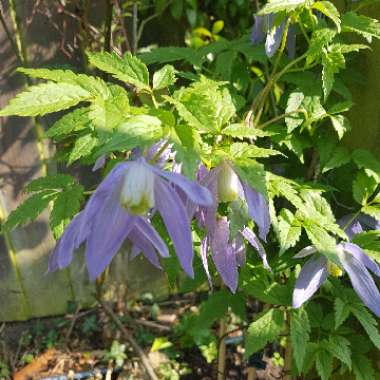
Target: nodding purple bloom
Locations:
point(228, 254)
point(263, 29)
point(118, 211)
point(353, 260)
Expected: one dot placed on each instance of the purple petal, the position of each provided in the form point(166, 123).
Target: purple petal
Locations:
point(176, 221)
point(258, 31)
point(369, 222)
point(99, 163)
point(238, 247)
point(311, 277)
point(197, 193)
point(360, 255)
point(203, 252)
point(255, 242)
point(273, 40)
point(362, 282)
point(110, 228)
point(62, 255)
point(223, 255)
point(142, 244)
point(353, 228)
point(152, 236)
point(258, 210)
point(307, 251)
point(97, 200)
point(164, 155)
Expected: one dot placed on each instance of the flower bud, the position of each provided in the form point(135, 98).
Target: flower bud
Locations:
point(137, 192)
point(228, 184)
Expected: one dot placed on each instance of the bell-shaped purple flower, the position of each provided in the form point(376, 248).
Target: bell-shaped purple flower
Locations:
point(118, 211)
point(228, 254)
point(355, 262)
point(264, 29)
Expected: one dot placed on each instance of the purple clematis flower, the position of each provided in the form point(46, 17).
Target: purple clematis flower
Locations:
point(228, 254)
point(118, 211)
point(263, 29)
point(352, 259)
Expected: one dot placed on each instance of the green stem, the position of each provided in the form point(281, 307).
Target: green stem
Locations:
point(279, 117)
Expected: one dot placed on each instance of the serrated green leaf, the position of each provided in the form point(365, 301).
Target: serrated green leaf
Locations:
point(366, 160)
point(341, 156)
point(164, 77)
point(299, 335)
point(265, 329)
point(373, 211)
point(128, 68)
point(66, 205)
point(107, 114)
point(51, 182)
point(362, 368)
point(92, 84)
point(329, 10)
point(171, 54)
point(332, 61)
point(73, 121)
point(253, 173)
point(29, 209)
point(342, 312)
point(244, 150)
point(241, 131)
point(339, 346)
point(289, 230)
point(82, 147)
point(319, 39)
point(340, 107)
point(368, 322)
point(139, 130)
point(366, 26)
point(275, 6)
point(282, 187)
point(294, 103)
point(45, 98)
point(324, 364)
point(363, 187)
point(340, 124)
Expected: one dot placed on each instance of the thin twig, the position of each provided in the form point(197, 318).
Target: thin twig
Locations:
point(135, 21)
point(222, 350)
point(151, 324)
point(108, 26)
point(139, 351)
point(122, 24)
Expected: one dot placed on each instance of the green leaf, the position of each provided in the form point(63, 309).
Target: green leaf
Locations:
point(253, 173)
point(92, 84)
point(66, 205)
point(73, 121)
point(324, 364)
point(164, 77)
point(160, 343)
point(340, 124)
point(319, 39)
point(82, 147)
point(289, 230)
point(373, 211)
point(244, 150)
point(341, 156)
point(363, 187)
point(362, 368)
point(332, 62)
point(366, 160)
point(29, 209)
point(217, 27)
point(139, 130)
point(51, 182)
point(342, 312)
point(128, 68)
point(45, 98)
point(366, 26)
point(107, 114)
point(368, 322)
point(275, 6)
point(294, 103)
point(242, 131)
point(329, 10)
point(299, 335)
point(265, 329)
point(339, 347)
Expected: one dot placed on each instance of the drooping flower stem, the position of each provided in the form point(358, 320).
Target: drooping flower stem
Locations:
point(222, 350)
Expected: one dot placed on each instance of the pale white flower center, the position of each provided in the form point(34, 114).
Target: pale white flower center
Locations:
point(137, 192)
point(228, 184)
